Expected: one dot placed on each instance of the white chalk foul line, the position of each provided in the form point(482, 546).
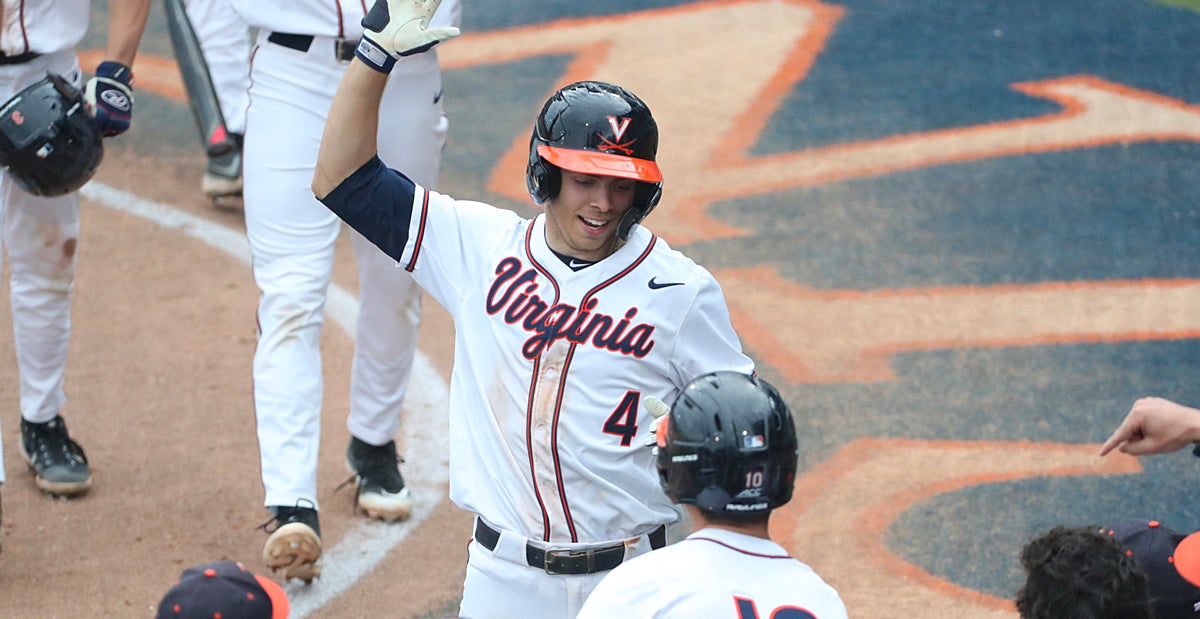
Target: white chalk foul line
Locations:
point(425, 444)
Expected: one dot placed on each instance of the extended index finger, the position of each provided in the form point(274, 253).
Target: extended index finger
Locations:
point(1128, 429)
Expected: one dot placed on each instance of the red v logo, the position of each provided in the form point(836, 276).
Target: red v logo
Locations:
point(618, 128)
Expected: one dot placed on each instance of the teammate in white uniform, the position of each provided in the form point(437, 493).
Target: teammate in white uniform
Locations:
point(40, 234)
point(303, 47)
point(563, 324)
point(727, 452)
point(225, 40)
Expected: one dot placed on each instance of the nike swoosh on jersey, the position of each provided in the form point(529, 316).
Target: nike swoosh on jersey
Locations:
point(580, 264)
point(656, 285)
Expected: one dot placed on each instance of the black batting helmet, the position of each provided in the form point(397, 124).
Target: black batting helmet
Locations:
point(728, 446)
point(596, 128)
point(47, 139)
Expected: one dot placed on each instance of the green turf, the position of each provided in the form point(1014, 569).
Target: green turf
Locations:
point(1192, 5)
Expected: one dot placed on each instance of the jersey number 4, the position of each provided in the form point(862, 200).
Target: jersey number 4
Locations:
point(747, 610)
point(623, 420)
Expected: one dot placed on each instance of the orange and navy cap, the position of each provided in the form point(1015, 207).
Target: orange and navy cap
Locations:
point(1159, 551)
point(224, 589)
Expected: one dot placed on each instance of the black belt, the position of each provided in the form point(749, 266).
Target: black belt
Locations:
point(584, 561)
point(19, 58)
point(343, 49)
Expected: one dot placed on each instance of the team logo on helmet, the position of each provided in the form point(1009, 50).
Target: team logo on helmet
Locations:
point(618, 129)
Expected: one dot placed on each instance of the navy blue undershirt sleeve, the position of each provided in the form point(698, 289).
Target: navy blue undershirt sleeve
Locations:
point(377, 202)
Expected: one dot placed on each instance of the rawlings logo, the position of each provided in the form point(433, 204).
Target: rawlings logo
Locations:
point(115, 99)
point(514, 295)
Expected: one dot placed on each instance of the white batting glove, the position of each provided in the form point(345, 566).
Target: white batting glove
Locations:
point(659, 409)
point(396, 28)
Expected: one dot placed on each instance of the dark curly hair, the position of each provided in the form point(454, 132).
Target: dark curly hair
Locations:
point(1078, 573)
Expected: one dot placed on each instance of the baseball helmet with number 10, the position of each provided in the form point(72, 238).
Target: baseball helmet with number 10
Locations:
point(729, 446)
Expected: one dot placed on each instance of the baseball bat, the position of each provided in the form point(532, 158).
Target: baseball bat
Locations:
point(202, 96)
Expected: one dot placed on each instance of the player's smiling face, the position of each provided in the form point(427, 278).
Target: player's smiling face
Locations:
point(581, 221)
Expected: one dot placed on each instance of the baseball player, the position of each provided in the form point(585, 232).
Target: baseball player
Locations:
point(303, 47)
point(727, 452)
point(40, 231)
point(564, 323)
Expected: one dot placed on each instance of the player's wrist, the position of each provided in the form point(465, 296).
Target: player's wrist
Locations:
point(374, 55)
point(113, 70)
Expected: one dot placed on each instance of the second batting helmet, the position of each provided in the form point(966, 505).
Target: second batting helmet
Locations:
point(47, 139)
point(596, 128)
point(729, 446)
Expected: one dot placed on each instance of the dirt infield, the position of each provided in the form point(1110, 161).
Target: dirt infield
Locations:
point(960, 238)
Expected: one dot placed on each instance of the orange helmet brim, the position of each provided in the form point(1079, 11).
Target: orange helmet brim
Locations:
point(601, 164)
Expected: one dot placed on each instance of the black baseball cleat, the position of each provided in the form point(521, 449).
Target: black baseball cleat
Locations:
point(294, 548)
point(381, 492)
point(58, 462)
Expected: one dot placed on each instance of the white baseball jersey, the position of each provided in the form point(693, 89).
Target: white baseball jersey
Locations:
point(44, 27)
point(551, 366)
point(330, 18)
point(714, 574)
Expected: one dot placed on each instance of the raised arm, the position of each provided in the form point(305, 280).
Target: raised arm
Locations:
point(351, 128)
point(392, 29)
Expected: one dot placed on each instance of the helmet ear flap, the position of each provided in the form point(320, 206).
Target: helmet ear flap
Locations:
point(645, 197)
point(542, 178)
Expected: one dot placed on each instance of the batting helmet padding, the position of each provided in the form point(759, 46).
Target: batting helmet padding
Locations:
point(48, 141)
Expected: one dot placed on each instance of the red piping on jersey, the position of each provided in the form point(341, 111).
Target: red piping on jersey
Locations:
point(562, 380)
point(412, 263)
point(341, 21)
point(24, 35)
point(537, 493)
point(736, 549)
point(537, 364)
